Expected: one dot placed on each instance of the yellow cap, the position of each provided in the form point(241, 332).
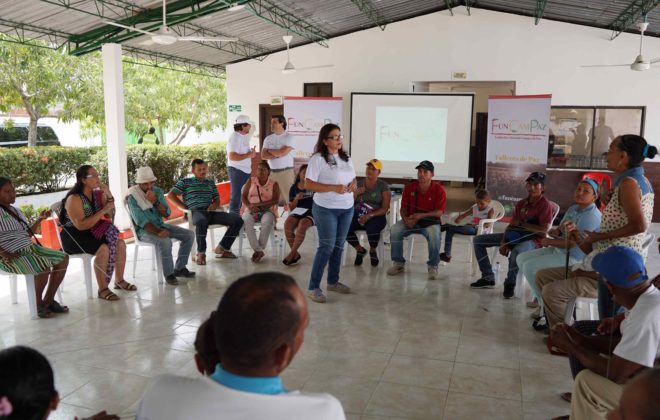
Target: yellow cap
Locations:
point(376, 164)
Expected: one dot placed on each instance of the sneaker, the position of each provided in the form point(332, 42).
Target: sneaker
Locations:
point(184, 272)
point(483, 283)
point(316, 295)
point(395, 270)
point(171, 280)
point(339, 288)
point(359, 257)
point(508, 292)
point(444, 257)
point(433, 273)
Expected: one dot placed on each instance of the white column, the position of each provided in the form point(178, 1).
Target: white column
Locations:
point(113, 93)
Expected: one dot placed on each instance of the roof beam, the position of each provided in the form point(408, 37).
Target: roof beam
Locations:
point(170, 62)
point(449, 5)
point(468, 4)
point(539, 10)
point(18, 34)
point(129, 14)
point(270, 12)
point(369, 9)
point(631, 15)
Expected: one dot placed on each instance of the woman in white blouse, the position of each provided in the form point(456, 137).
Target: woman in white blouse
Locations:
point(331, 175)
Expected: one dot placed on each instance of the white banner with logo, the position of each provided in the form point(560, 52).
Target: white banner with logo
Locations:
point(305, 116)
point(517, 144)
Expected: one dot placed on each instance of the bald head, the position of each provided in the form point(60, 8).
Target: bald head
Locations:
point(259, 317)
point(639, 400)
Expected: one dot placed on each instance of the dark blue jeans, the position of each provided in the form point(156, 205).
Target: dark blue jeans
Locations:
point(373, 227)
point(332, 227)
point(481, 245)
point(461, 230)
point(203, 218)
point(237, 178)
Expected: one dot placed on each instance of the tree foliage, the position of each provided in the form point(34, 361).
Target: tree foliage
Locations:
point(38, 79)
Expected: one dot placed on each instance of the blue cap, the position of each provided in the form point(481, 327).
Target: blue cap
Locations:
point(594, 184)
point(621, 266)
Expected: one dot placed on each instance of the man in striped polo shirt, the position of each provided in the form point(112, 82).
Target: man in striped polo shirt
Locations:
point(200, 195)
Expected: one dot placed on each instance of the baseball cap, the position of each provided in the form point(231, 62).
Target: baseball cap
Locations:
point(621, 266)
point(376, 164)
point(244, 119)
point(538, 177)
point(425, 164)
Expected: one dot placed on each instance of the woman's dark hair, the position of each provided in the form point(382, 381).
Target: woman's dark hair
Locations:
point(27, 383)
point(264, 164)
point(300, 171)
point(4, 181)
point(239, 127)
point(81, 175)
point(322, 149)
point(636, 147)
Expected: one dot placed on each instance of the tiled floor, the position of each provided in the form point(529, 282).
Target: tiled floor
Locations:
point(396, 348)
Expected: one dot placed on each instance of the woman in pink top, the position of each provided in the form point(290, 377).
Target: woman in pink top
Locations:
point(260, 197)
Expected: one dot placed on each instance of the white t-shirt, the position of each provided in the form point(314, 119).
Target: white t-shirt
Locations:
point(340, 172)
point(278, 141)
point(640, 331)
point(240, 144)
point(172, 397)
point(477, 214)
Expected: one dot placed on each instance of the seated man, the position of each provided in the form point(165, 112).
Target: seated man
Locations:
point(422, 204)
point(258, 327)
point(201, 197)
point(630, 342)
point(531, 220)
point(147, 207)
point(639, 400)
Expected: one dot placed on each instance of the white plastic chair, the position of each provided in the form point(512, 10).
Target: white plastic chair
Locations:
point(31, 292)
point(276, 242)
point(482, 229)
point(85, 258)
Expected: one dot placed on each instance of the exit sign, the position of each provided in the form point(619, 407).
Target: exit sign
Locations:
point(235, 108)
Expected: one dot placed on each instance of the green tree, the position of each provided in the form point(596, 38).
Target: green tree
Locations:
point(37, 79)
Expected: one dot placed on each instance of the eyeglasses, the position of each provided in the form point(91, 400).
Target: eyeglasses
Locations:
point(335, 138)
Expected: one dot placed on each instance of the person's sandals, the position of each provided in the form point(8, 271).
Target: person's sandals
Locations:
point(223, 253)
point(201, 259)
point(373, 257)
point(58, 308)
point(44, 312)
point(106, 294)
point(295, 260)
point(124, 285)
point(257, 256)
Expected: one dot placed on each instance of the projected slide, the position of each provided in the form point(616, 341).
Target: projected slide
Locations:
point(411, 134)
point(402, 129)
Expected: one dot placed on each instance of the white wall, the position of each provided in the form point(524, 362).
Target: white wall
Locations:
point(488, 45)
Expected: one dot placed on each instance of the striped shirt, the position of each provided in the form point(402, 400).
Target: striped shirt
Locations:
point(14, 235)
point(197, 194)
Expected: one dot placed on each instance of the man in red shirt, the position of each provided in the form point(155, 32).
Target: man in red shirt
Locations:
point(532, 217)
point(422, 204)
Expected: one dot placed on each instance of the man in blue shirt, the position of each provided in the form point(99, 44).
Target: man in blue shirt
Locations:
point(147, 208)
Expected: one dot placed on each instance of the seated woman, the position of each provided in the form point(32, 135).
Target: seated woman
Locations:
point(19, 255)
point(300, 220)
point(86, 219)
point(372, 202)
point(260, 197)
point(481, 209)
point(585, 215)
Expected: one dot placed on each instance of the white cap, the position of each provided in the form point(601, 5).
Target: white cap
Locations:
point(244, 119)
point(144, 174)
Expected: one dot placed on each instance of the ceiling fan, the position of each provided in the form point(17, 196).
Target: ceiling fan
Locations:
point(165, 35)
point(641, 63)
point(289, 67)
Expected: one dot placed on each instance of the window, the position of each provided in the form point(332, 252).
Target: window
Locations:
point(580, 135)
point(317, 89)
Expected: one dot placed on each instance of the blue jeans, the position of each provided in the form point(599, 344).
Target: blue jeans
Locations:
point(461, 230)
point(482, 242)
point(432, 234)
point(332, 227)
point(237, 178)
point(186, 237)
point(203, 218)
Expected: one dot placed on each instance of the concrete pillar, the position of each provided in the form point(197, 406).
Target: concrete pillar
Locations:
point(113, 93)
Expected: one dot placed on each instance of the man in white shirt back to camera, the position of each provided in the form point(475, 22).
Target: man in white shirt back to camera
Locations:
point(259, 327)
point(630, 341)
point(278, 151)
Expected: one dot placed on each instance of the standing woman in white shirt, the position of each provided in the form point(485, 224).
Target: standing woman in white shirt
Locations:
point(239, 159)
point(331, 175)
